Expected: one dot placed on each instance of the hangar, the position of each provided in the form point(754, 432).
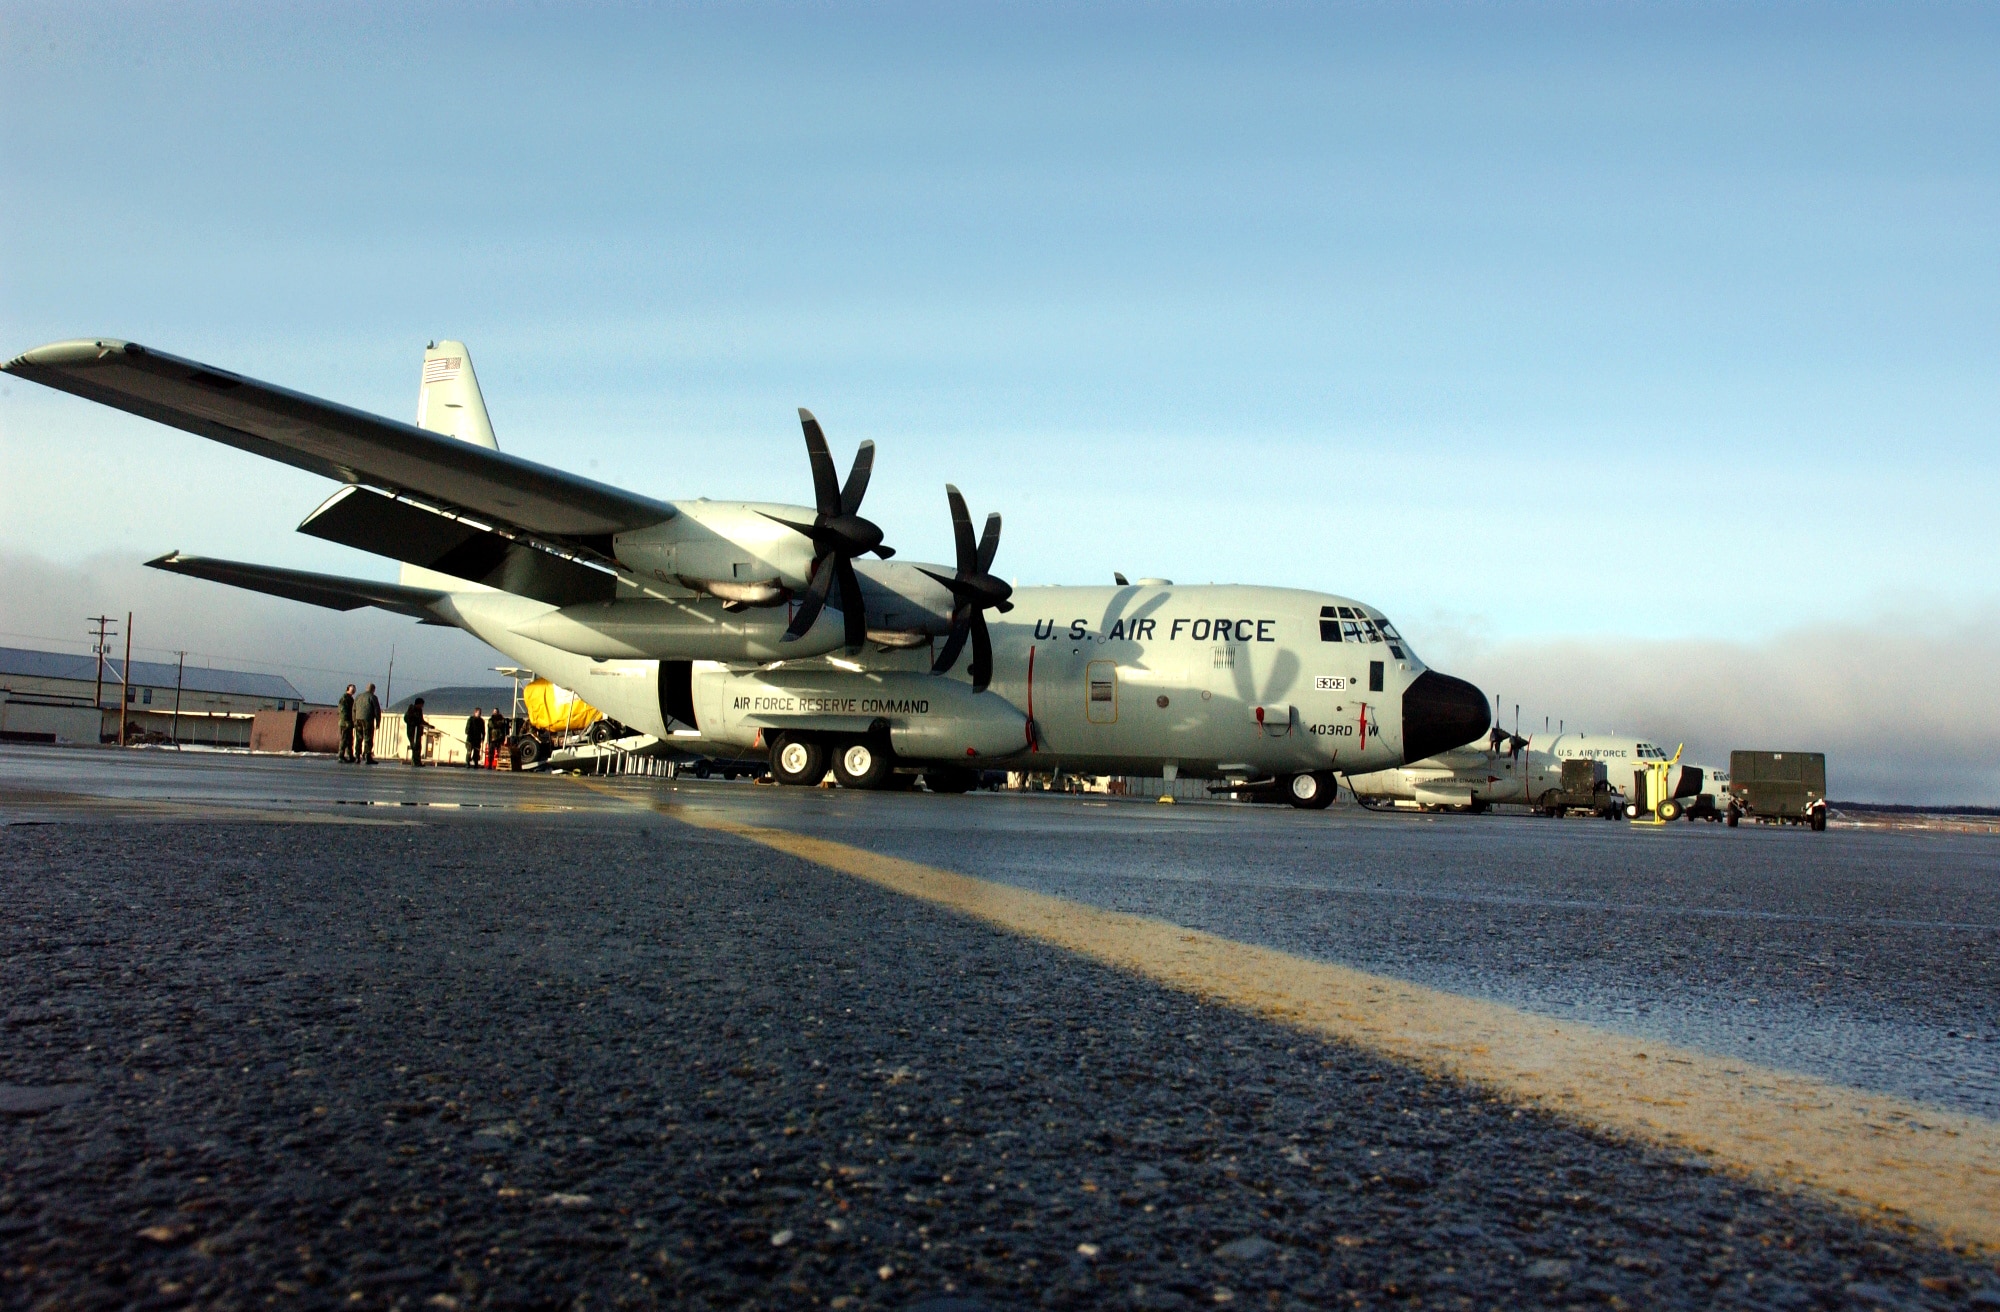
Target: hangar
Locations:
point(46, 696)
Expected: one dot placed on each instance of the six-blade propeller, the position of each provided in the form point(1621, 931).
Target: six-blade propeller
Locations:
point(973, 591)
point(838, 534)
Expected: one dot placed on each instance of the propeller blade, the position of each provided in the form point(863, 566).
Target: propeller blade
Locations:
point(961, 530)
point(809, 609)
point(826, 483)
point(989, 542)
point(885, 552)
point(982, 653)
point(961, 626)
point(857, 479)
point(853, 608)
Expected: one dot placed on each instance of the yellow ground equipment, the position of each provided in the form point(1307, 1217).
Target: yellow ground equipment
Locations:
point(1653, 801)
point(557, 710)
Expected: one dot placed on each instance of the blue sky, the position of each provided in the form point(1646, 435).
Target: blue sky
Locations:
point(1523, 322)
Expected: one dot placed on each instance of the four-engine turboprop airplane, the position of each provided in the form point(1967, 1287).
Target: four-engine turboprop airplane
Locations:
point(1514, 771)
point(765, 629)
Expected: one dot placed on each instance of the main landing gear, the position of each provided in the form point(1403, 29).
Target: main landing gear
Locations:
point(802, 761)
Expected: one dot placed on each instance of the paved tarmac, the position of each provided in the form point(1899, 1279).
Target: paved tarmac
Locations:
point(280, 1029)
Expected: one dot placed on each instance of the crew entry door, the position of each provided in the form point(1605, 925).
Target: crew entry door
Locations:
point(1101, 691)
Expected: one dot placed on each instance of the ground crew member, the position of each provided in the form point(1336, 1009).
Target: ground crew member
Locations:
point(496, 738)
point(475, 736)
point(347, 724)
point(367, 715)
point(413, 725)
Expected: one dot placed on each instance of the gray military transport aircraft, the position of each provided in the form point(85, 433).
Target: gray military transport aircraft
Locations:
point(762, 629)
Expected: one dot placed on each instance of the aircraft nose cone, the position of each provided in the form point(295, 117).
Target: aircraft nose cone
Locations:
point(1440, 713)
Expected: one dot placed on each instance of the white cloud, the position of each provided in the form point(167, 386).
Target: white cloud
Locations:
point(1906, 708)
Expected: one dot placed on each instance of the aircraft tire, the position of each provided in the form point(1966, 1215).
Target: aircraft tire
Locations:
point(800, 762)
point(950, 779)
point(1310, 792)
point(859, 763)
point(1670, 810)
point(1819, 820)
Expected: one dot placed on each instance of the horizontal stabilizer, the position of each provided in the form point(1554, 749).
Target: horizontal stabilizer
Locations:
point(329, 590)
point(338, 442)
point(371, 521)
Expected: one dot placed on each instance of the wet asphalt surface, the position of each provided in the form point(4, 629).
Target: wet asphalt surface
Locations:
point(1866, 957)
point(556, 1050)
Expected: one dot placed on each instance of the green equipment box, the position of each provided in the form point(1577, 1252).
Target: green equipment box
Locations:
point(1778, 787)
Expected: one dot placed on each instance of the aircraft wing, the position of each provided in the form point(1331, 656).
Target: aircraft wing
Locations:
point(338, 442)
point(329, 590)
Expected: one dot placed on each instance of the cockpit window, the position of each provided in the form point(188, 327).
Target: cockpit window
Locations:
point(1351, 624)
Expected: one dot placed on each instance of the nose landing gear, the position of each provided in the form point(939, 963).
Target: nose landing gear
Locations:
point(1310, 792)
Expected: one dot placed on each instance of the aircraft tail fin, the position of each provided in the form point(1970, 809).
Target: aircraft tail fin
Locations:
point(448, 401)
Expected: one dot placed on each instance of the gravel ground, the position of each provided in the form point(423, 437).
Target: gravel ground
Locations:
point(566, 1060)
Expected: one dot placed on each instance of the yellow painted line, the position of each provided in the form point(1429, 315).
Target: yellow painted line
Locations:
point(1879, 1154)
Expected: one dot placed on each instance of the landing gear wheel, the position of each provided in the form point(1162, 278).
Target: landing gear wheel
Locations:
point(861, 764)
point(950, 779)
point(1310, 792)
point(799, 762)
point(527, 751)
point(1670, 810)
point(1819, 819)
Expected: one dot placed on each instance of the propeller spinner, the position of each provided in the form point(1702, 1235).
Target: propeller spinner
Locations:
point(974, 591)
point(838, 534)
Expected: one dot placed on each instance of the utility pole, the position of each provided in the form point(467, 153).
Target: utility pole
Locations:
point(180, 674)
point(125, 682)
point(97, 698)
point(389, 683)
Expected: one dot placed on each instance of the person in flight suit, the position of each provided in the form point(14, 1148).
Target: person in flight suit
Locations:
point(413, 727)
point(475, 737)
point(367, 715)
point(347, 724)
point(496, 738)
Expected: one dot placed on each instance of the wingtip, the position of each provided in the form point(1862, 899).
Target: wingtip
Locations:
point(78, 350)
point(167, 561)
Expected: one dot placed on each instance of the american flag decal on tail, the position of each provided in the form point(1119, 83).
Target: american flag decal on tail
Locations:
point(443, 367)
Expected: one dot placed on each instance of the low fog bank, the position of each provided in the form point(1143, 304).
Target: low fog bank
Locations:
point(1905, 710)
point(43, 605)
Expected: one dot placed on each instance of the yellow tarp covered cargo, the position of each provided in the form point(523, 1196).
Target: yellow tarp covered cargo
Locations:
point(557, 710)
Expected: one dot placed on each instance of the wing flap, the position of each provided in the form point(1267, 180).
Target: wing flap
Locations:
point(337, 441)
point(372, 521)
point(329, 590)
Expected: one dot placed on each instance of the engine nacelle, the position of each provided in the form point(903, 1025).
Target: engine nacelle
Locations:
point(643, 628)
point(732, 548)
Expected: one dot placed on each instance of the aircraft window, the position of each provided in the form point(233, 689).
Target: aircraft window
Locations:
point(1388, 630)
point(1329, 612)
point(1347, 613)
point(1368, 626)
point(1329, 630)
point(1350, 630)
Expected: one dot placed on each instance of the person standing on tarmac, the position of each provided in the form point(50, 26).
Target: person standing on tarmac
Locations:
point(347, 724)
point(367, 715)
point(413, 727)
point(475, 736)
point(496, 738)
